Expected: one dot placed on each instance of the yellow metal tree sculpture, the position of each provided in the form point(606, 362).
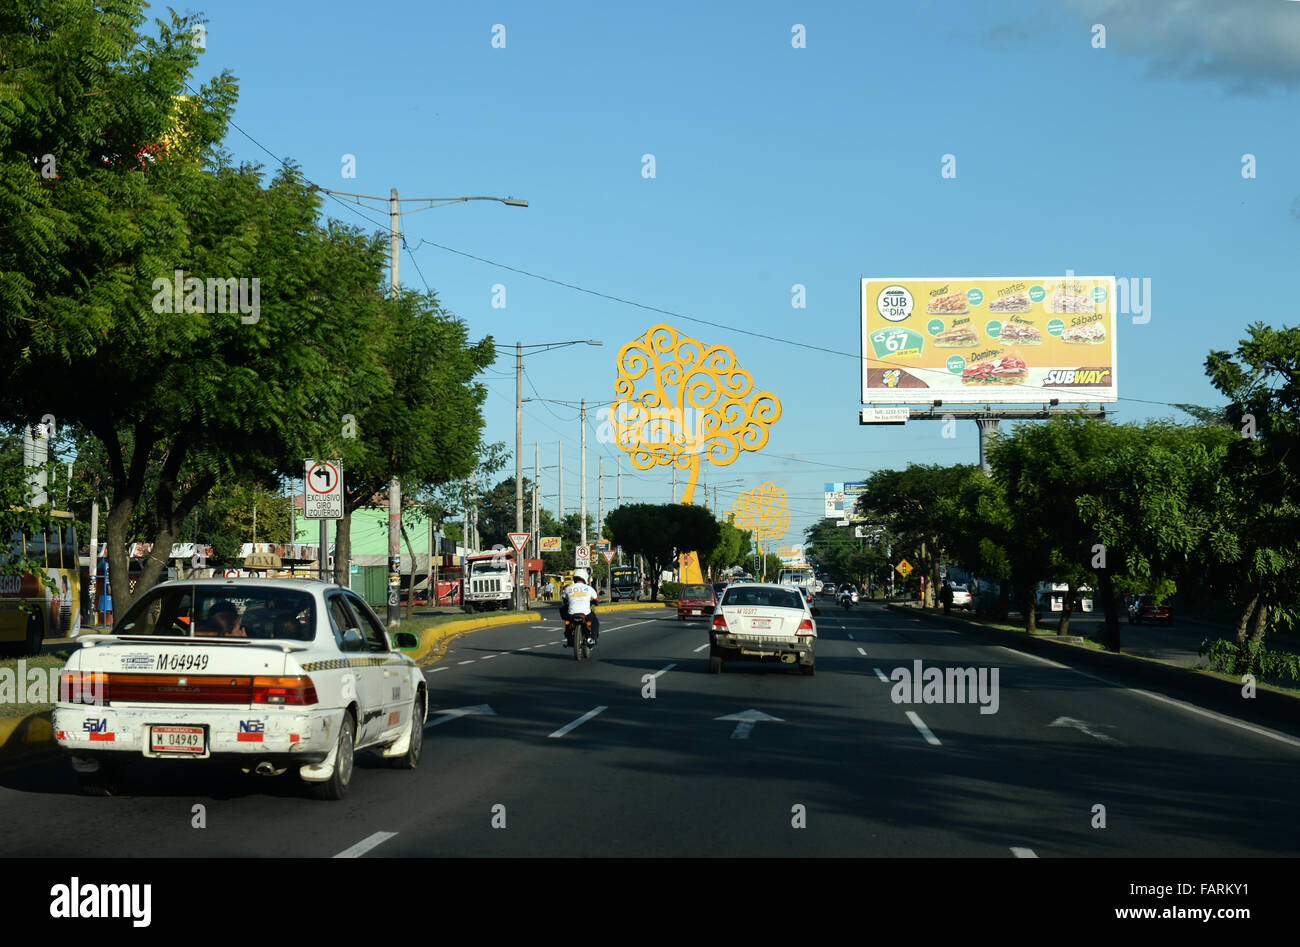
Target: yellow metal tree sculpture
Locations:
point(678, 401)
point(765, 512)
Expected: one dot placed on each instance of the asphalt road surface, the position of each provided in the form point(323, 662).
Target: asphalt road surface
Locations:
point(530, 753)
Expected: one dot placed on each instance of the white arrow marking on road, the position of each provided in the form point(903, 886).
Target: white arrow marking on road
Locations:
point(747, 720)
point(456, 712)
point(1084, 727)
point(579, 722)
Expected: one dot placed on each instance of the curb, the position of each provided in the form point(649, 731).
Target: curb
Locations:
point(25, 738)
point(1268, 706)
point(434, 641)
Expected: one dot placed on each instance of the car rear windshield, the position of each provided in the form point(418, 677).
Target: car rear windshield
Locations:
point(696, 591)
point(221, 611)
point(769, 598)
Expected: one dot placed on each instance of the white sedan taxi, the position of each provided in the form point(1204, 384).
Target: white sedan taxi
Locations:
point(763, 622)
point(264, 674)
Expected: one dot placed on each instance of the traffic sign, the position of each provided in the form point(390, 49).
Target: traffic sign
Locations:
point(602, 545)
point(323, 493)
point(609, 555)
point(905, 568)
point(582, 557)
point(519, 540)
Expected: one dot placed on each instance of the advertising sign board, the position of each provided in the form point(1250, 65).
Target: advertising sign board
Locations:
point(1020, 339)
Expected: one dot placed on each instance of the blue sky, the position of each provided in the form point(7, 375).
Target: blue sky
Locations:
point(777, 166)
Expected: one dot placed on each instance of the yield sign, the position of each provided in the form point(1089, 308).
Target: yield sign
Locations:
point(609, 554)
point(519, 540)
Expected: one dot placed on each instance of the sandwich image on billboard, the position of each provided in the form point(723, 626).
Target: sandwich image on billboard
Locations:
point(1021, 339)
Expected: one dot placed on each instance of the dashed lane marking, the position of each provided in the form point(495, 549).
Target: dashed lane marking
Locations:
point(577, 723)
point(917, 722)
point(1023, 852)
point(881, 674)
point(365, 845)
point(701, 648)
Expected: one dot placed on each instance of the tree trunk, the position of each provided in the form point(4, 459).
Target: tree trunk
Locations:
point(1261, 624)
point(1063, 627)
point(1110, 602)
point(1027, 602)
point(342, 548)
point(1244, 619)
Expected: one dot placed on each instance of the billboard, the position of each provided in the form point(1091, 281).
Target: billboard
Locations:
point(840, 500)
point(551, 544)
point(1023, 339)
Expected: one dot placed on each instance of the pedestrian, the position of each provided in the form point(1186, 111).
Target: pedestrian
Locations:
point(945, 596)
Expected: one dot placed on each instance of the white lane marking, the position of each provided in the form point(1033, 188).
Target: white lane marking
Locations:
point(435, 670)
point(528, 647)
point(543, 627)
point(701, 648)
point(365, 845)
point(553, 642)
point(1084, 727)
point(577, 723)
point(747, 719)
point(851, 638)
point(489, 657)
point(662, 670)
point(1023, 852)
point(881, 674)
point(862, 651)
point(1230, 721)
point(917, 722)
point(470, 661)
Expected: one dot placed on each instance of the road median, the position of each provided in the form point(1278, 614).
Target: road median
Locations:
point(1268, 705)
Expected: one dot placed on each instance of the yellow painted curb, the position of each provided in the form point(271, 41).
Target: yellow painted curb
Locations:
point(21, 737)
point(628, 606)
point(434, 641)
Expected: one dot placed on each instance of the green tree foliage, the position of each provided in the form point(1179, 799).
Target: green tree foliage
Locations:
point(659, 532)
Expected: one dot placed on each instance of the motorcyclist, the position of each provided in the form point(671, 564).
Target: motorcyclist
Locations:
point(580, 599)
point(846, 595)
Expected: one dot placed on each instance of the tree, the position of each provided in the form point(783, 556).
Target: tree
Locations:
point(658, 532)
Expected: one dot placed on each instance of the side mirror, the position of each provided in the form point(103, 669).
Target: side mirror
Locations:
point(406, 641)
point(353, 640)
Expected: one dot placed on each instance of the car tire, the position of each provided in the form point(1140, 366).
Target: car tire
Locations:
point(809, 669)
point(336, 787)
point(35, 634)
point(411, 758)
point(715, 664)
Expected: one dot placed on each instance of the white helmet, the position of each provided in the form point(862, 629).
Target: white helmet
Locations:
point(579, 575)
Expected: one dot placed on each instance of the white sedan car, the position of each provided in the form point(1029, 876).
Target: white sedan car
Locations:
point(264, 674)
point(763, 622)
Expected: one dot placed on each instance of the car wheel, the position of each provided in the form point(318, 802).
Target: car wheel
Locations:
point(715, 662)
point(336, 787)
point(35, 634)
point(411, 758)
point(808, 669)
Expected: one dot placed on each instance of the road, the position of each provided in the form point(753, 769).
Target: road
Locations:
point(584, 764)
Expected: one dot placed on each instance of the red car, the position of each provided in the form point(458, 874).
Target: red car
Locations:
point(696, 601)
point(1145, 608)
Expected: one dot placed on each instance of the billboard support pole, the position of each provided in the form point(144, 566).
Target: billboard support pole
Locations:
point(987, 426)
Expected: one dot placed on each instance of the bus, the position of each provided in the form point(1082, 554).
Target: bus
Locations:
point(625, 582)
point(32, 610)
point(798, 575)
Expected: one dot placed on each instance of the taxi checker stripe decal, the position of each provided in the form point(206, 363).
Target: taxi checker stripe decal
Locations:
point(335, 664)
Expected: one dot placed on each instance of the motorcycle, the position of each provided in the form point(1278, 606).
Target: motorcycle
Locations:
point(846, 600)
point(577, 628)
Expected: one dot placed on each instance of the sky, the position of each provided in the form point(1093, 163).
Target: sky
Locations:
point(793, 144)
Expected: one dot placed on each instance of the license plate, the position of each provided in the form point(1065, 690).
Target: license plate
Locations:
point(760, 623)
point(181, 740)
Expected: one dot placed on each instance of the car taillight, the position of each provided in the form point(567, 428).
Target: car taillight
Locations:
point(83, 687)
point(284, 690)
point(719, 623)
point(805, 627)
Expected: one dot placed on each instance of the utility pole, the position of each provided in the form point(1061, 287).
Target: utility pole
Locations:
point(560, 468)
point(394, 488)
point(674, 483)
point(582, 469)
point(600, 501)
point(520, 572)
point(618, 462)
point(537, 499)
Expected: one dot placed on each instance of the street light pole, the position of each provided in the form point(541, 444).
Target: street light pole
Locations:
point(519, 471)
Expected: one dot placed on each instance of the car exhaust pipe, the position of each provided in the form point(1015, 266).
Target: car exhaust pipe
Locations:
point(267, 769)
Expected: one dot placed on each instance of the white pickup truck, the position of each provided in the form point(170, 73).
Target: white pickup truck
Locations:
point(264, 674)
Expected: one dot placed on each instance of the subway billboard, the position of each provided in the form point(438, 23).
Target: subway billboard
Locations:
point(989, 340)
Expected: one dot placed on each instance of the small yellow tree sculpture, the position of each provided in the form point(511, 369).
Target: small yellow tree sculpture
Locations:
point(677, 400)
point(765, 512)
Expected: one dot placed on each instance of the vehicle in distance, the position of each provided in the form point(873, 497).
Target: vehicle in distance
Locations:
point(961, 597)
point(624, 582)
point(719, 588)
point(695, 601)
point(851, 591)
point(1145, 608)
point(265, 675)
point(763, 622)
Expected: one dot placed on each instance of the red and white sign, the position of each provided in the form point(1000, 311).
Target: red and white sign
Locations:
point(519, 540)
point(608, 554)
point(323, 496)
